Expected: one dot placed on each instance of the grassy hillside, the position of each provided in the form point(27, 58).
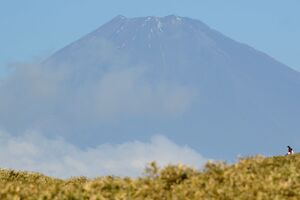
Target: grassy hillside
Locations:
point(250, 178)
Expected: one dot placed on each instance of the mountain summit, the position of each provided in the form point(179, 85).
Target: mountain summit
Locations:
point(176, 76)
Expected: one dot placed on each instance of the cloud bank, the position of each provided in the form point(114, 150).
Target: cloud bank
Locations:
point(40, 97)
point(56, 157)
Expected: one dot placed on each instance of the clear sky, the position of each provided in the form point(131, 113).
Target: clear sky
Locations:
point(33, 29)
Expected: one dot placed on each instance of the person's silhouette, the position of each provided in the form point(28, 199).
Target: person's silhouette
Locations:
point(290, 150)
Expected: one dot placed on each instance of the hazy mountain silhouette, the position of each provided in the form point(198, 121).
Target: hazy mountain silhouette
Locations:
point(245, 101)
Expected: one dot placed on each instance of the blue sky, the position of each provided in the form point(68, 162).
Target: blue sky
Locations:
point(33, 29)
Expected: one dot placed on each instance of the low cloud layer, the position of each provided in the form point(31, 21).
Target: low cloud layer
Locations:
point(42, 97)
point(58, 158)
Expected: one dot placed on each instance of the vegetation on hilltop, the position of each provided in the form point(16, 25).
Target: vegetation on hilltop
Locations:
point(250, 178)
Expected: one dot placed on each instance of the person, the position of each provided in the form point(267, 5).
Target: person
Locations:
point(290, 150)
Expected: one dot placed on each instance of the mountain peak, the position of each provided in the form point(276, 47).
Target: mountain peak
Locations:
point(162, 19)
point(120, 17)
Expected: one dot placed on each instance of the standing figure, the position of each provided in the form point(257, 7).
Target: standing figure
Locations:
point(290, 150)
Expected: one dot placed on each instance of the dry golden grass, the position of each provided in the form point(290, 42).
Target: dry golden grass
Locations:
point(250, 178)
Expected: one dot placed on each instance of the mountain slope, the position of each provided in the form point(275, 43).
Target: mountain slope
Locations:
point(178, 77)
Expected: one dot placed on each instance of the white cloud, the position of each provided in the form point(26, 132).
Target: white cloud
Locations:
point(56, 157)
point(128, 92)
point(42, 97)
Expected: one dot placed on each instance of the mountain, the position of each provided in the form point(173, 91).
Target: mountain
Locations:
point(186, 81)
